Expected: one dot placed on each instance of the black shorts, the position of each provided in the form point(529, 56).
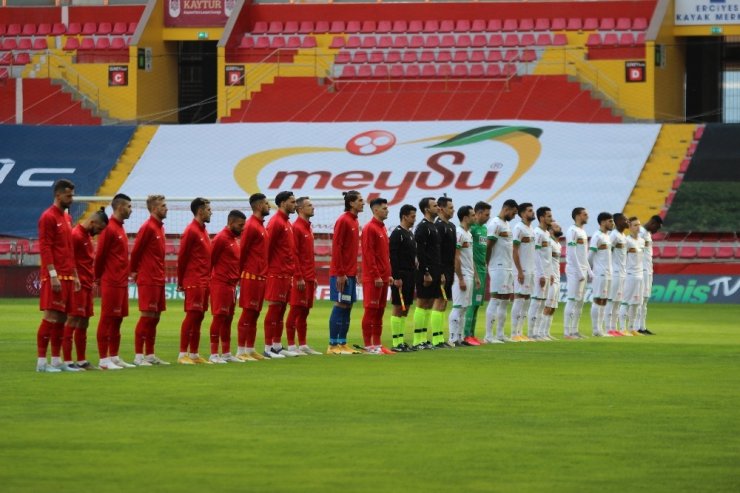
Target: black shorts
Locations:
point(434, 290)
point(449, 279)
point(407, 290)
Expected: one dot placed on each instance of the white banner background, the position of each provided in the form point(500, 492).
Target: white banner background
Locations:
point(592, 166)
point(707, 12)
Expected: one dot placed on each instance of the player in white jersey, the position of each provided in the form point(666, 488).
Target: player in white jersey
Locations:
point(466, 279)
point(523, 255)
point(577, 272)
point(618, 241)
point(600, 258)
point(646, 233)
point(633, 282)
point(553, 296)
point(499, 258)
point(542, 274)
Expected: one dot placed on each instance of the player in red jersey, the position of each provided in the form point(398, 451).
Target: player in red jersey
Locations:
point(343, 272)
point(280, 266)
point(58, 277)
point(304, 280)
point(193, 277)
point(376, 276)
point(147, 269)
point(111, 269)
point(82, 301)
point(224, 278)
point(253, 269)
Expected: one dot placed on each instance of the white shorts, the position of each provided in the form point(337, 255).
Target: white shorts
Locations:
point(616, 292)
point(553, 295)
point(576, 288)
point(632, 291)
point(502, 281)
point(647, 284)
point(460, 297)
point(540, 292)
point(600, 286)
point(526, 287)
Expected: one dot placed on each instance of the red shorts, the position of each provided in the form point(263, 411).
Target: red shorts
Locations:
point(60, 301)
point(151, 298)
point(196, 299)
point(252, 294)
point(305, 297)
point(82, 303)
point(223, 298)
point(373, 297)
point(278, 288)
point(113, 301)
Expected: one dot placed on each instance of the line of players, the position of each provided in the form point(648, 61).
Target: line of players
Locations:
point(435, 263)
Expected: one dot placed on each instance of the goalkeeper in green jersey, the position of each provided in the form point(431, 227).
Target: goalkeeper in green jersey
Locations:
point(478, 230)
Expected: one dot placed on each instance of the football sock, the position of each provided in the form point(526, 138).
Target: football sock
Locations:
point(80, 338)
point(643, 314)
point(569, 317)
point(471, 316)
point(115, 336)
point(378, 327)
point(140, 333)
point(185, 333)
point(42, 338)
point(595, 318)
point(196, 319)
point(456, 320)
point(501, 318)
point(623, 317)
point(516, 316)
point(215, 331)
point(103, 335)
point(225, 334)
point(67, 337)
point(419, 321)
point(302, 325)
point(336, 323)
point(290, 324)
point(397, 324)
point(579, 312)
point(435, 325)
point(533, 317)
point(608, 311)
point(247, 328)
point(491, 311)
point(368, 319)
point(57, 335)
point(345, 325)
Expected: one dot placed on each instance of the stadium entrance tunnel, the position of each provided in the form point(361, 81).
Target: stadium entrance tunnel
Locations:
point(197, 66)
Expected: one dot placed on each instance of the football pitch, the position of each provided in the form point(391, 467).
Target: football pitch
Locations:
point(657, 413)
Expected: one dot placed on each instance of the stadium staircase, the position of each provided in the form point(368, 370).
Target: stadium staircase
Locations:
point(664, 170)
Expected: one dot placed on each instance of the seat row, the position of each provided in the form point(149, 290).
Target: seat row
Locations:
point(22, 58)
point(74, 28)
point(450, 25)
point(493, 70)
point(102, 43)
point(595, 40)
point(694, 252)
point(276, 42)
point(442, 56)
point(449, 41)
point(9, 44)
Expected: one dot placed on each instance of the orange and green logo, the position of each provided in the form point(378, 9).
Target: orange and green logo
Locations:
point(374, 161)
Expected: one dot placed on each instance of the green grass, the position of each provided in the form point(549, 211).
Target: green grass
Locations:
point(630, 414)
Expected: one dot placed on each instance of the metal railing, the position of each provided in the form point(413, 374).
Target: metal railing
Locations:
point(59, 68)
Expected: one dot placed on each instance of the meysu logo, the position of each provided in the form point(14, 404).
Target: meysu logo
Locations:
point(489, 158)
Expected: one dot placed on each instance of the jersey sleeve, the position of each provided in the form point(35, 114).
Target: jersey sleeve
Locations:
point(217, 248)
point(395, 243)
point(571, 237)
point(517, 236)
point(459, 239)
point(138, 250)
point(594, 245)
point(46, 229)
point(492, 231)
point(421, 235)
point(101, 255)
point(369, 247)
point(183, 254)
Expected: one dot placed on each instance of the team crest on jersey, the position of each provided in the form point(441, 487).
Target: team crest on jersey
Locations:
point(466, 244)
point(526, 239)
point(579, 241)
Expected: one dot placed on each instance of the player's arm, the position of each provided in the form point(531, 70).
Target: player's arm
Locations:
point(458, 265)
point(491, 240)
point(101, 255)
point(137, 251)
point(217, 249)
point(539, 261)
point(370, 264)
point(517, 261)
point(46, 249)
point(183, 255)
point(592, 249)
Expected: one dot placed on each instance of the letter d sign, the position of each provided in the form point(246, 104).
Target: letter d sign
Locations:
point(634, 71)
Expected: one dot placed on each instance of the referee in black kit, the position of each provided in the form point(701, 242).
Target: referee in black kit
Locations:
point(447, 246)
point(429, 276)
point(403, 270)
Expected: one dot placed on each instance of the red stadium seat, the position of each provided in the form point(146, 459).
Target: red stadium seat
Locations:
point(342, 58)
point(444, 56)
point(639, 24)
point(44, 29)
point(431, 42)
point(476, 56)
point(574, 24)
point(429, 71)
point(102, 44)
point(349, 71)
point(260, 27)
point(384, 27)
point(275, 27)
point(594, 39)
point(478, 26)
point(294, 42)
point(399, 27)
point(446, 26)
point(381, 72)
point(640, 39)
point(510, 70)
point(89, 28)
point(416, 26)
point(590, 24)
point(670, 251)
point(495, 41)
point(463, 41)
point(558, 24)
point(528, 56)
point(624, 24)
point(400, 42)
point(393, 57)
point(322, 27)
point(6, 59)
point(119, 28)
point(13, 30)
point(511, 40)
point(656, 252)
point(426, 56)
point(322, 250)
point(409, 57)
point(364, 72)
point(246, 42)
point(58, 29)
point(385, 42)
point(494, 56)
point(368, 27)
point(706, 252)
point(340, 27)
point(337, 42)
point(74, 28)
point(447, 41)
point(460, 71)
point(725, 252)
point(431, 26)
point(308, 42)
point(39, 44)
point(369, 42)
point(105, 28)
point(462, 26)
point(24, 44)
point(132, 28)
point(413, 71)
point(607, 24)
point(610, 39)
point(626, 39)
point(543, 39)
point(9, 44)
point(511, 56)
point(526, 24)
point(493, 70)
point(291, 27)
point(22, 59)
point(444, 70)
point(477, 70)
point(510, 25)
point(359, 57)
point(87, 44)
point(560, 39)
point(306, 27)
point(460, 56)
point(688, 252)
point(542, 24)
point(353, 42)
point(479, 41)
point(527, 40)
point(397, 71)
point(71, 44)
point(118, 43)
point(277, 42)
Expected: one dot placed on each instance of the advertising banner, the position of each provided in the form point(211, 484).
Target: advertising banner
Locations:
point(197, 13)
point(707, 12)
point(561, 165)
point(32, 158)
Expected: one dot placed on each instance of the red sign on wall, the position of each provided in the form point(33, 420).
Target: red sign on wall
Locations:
point(634, 71)
point(117, 75)
point(197, 13)
point(234, 75)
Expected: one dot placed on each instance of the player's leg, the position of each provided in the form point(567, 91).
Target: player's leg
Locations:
point(219, 317)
